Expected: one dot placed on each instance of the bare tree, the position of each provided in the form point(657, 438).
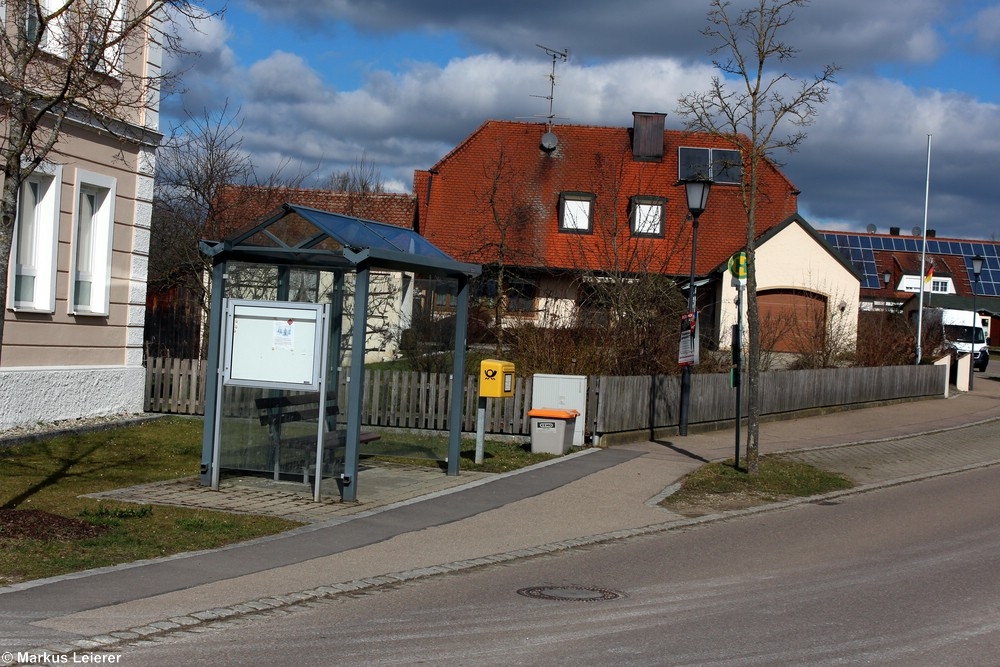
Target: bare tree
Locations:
point(200, 158)
point(885, 338)
point(507, 239)
point(623, 306)
point(198, 168)
point(74, 60)
point(826, 337)
point(759, 112)
point(362, 181)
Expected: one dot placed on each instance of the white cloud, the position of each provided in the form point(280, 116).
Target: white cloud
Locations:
point(207, 65)
point(986, 27)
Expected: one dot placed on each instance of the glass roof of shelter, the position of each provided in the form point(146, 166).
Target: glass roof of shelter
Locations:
point(303, 235)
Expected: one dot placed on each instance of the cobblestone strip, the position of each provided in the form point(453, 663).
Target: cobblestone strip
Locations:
point(882, 461)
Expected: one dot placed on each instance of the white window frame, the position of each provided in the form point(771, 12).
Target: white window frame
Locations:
point(48, 178)
point(942, 285)
point(56, 37)
point(112, 60)
point(99, 249)
point(576, 212)
point(647, 216)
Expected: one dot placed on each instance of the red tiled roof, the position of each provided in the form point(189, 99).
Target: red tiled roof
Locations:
point(245, 206)
point(502, 162)
point(901, 263)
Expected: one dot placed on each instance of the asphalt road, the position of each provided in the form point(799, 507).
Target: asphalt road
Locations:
point(905, 575)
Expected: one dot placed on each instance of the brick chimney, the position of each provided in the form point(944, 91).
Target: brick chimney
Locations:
point(647, 136)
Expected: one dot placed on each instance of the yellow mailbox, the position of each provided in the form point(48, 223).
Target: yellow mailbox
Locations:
point(496, 378)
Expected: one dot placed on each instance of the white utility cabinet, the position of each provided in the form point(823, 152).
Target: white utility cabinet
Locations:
point(564, 392)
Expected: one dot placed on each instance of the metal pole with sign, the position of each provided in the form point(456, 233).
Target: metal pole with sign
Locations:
point(738, 269)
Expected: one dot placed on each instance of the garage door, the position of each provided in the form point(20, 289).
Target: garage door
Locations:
point(791, 320)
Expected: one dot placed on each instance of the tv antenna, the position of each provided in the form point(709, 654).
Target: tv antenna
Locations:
point(556, 56)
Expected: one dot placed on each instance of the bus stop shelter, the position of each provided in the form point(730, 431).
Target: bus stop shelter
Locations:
point(298, 237)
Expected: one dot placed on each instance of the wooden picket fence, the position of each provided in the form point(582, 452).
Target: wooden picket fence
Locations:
point(390, 398)
point(615, 405)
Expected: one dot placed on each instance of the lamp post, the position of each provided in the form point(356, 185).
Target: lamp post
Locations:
point(977, 268)
point(697, 198)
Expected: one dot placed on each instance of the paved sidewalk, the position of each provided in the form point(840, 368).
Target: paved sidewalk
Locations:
point(382, 486)
point(594, 496)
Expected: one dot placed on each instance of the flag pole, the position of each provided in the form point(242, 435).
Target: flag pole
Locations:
point(923, 253)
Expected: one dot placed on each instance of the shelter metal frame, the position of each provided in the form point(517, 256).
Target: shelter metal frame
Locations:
point(340, 244)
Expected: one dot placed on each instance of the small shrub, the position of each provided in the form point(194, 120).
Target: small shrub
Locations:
point(884, 339)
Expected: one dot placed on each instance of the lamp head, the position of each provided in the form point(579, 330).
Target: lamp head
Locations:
point(697, 194)
point(977, 266)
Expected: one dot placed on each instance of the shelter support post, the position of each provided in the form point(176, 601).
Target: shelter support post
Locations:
point(284, 283)
point(213, 385)
point(355, 386)
point(458, 377)
point(336, 335)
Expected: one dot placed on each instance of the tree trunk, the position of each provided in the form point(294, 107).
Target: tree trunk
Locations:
point(753, 368)
point(8, 213)
point(753, 319)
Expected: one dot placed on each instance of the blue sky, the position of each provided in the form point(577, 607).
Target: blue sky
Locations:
point(321, 83)
point(343, 56)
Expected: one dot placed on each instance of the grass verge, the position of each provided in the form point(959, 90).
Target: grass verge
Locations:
point(720, 486)
point(48, 529)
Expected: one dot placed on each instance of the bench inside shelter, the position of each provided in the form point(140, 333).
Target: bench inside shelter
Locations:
point(291, 426)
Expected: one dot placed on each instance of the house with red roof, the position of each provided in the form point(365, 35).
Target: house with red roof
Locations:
point(896, 267)
point(240, 207)
point(558, 207)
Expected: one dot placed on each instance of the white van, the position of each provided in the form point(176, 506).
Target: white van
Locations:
point(959, 331)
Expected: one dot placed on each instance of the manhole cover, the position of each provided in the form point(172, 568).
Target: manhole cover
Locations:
point(570, 593)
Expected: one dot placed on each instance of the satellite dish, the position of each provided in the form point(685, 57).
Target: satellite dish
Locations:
point(549, 141)
point(916, 231)
point(871, 229)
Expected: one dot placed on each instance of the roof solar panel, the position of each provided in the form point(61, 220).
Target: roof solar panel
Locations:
point(857, 248)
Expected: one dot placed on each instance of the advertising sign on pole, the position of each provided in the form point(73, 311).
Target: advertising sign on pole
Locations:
point(689, 350)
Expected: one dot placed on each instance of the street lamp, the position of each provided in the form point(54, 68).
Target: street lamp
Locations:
point(977, 268)
point(697, 190)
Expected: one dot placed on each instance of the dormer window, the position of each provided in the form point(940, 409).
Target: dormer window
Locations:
point(716, 164)
point(936, 285)
point(646, 218)
point(576, 212)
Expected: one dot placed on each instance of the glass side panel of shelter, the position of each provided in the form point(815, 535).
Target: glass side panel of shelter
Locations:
point(253, 442)
point(249, 433)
